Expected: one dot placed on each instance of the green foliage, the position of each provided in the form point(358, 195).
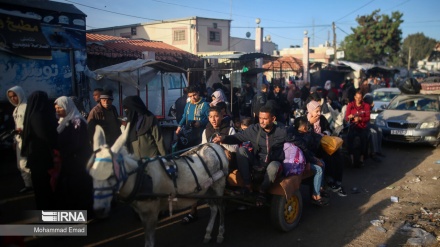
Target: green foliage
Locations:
point(376, 39)
point(421, 46)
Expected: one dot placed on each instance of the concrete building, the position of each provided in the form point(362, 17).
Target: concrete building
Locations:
point(193, 34)
point(196, 35)
point(432, 62)
point(317, 54)
point(248, 45)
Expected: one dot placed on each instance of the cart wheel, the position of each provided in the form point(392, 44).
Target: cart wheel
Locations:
point(285, 214)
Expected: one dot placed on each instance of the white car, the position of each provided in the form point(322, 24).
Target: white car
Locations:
point(381, 99)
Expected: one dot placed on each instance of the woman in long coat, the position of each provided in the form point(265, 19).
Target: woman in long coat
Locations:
point(39, 140)
point(74, 189)
point(145, 135)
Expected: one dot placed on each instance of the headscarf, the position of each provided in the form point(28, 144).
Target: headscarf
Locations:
point(311, 106)
point(328, 85)
point(218, 98)
point(37, 102)
point(139, 116)
point(20, 94)
point(71, 112)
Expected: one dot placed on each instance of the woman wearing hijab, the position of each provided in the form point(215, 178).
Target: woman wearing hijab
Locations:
point(144, 136)
point(217, 97)
point(17, 98)
point(39, 139)
point(74, 188)
point(334, 162)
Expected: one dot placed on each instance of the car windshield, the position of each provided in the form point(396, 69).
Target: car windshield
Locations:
point(415, 103)
point(384, 96)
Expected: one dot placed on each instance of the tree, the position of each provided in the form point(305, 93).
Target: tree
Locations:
point(376, 39)
point(421, 46)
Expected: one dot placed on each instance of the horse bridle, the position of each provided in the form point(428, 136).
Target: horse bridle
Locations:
point(119, 180)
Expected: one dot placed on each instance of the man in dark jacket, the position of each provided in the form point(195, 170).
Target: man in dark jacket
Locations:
point(179, 105)
point(258, 101)
point(267, 139)
point(281, 102)
point(105, 115)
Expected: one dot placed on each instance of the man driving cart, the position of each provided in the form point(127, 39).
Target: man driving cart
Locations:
point(267, 138)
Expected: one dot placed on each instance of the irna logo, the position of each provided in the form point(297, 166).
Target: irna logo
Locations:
point(71, 216)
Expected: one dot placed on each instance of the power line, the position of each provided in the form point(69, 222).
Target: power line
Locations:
point(397, 5)
point(342, 30)
point(220, 12)
point(113, 12)
point(355, 10)
point(349, 14)
point(289, 27)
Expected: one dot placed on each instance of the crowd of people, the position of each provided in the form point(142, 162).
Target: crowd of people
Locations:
point(54, 140)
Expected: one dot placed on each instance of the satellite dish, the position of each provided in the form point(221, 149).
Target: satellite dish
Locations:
point(268, 38)
point(248, 34)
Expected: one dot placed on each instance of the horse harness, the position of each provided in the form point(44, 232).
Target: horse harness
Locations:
point(143, 182)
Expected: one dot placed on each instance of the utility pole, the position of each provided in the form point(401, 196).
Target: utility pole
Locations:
point(306, 72)
point(259, 48)
point(409, 59)
point(334, 41)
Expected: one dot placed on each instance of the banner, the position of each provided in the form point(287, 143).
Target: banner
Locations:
point(23, 37)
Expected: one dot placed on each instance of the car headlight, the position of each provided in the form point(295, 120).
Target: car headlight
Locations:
point(429, 125)
point(380, 122)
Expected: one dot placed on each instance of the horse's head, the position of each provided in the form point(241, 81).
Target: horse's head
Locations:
point(104, 168)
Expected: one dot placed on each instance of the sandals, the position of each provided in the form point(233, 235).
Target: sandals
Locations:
point(189, 218)
point(319, 202)
point(261, 199)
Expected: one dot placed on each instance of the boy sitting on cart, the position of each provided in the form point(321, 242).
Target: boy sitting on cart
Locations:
point(309, 142)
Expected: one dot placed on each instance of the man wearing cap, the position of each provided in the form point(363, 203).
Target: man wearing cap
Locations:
point(105, 115)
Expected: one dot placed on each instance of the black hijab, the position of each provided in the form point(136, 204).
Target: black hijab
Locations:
point(138, 115)
point(38, 105)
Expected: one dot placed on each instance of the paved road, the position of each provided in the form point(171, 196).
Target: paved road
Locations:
point(328, 226)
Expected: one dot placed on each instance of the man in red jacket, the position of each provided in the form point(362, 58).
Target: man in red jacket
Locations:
point(358, 114)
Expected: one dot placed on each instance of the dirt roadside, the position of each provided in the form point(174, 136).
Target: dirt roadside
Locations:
point(412, 216)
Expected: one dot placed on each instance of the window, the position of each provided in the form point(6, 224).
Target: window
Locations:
point(214, 36)
point(179, 35)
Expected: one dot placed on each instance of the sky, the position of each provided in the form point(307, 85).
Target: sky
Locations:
point(284, 20)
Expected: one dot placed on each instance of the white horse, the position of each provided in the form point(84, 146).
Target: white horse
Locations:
point(200, 172)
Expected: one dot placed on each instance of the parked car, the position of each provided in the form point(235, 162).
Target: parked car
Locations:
point(381, 99)
point(411, 118)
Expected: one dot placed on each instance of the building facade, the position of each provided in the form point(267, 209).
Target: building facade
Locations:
point(194, 34)
point(432, 62)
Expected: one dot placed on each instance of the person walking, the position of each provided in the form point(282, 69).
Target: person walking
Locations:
point(105, 115)
point(194, 120)
point(180, 104)
point(74, 187)
point(17, 98)
point(39, 141)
